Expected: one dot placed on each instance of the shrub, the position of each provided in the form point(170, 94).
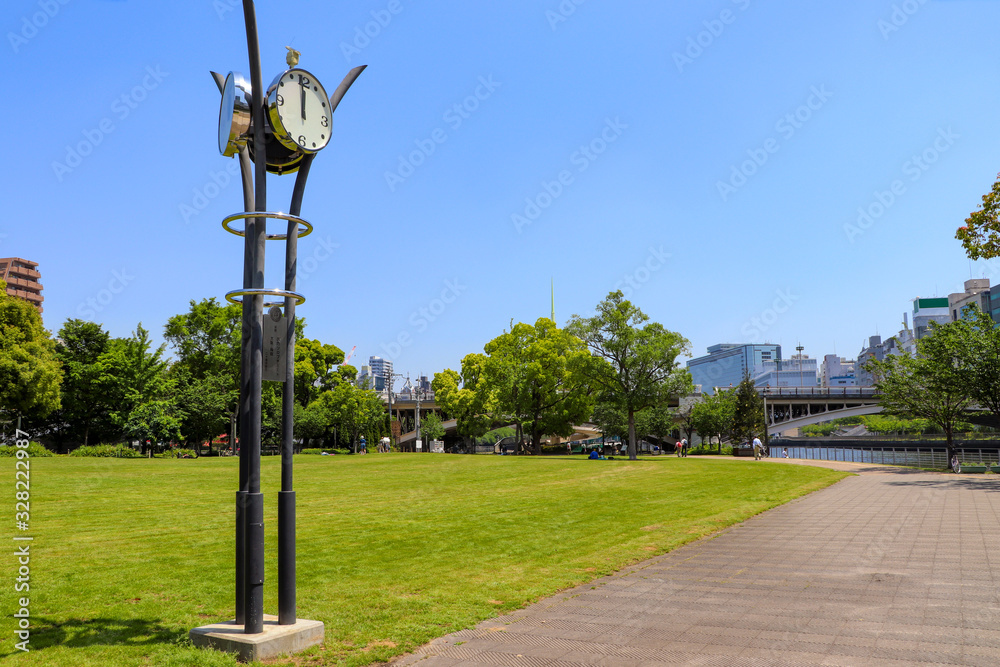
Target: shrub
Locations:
point(312, 451)
point(328, 451)
point(727, 450)
point(178, 453)
point(34, 450)
point(107, 451)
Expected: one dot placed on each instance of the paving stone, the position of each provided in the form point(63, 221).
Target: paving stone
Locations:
point(891, 568)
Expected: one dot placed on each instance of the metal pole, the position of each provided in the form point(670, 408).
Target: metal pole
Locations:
point(286, 497)
point(246, 171)
point(254, 519)
point(246, 174)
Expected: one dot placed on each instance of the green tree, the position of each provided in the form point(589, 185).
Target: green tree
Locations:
point(610, 418)
point(431, 427)
point(85, 407)
point(712, 417)
point(980, 358)
point(535, 376)
point(156, 421)
point(933, 385)
point(133, 376)
point(310, 423)
point(657, 421)
point(206, 372)
point(208, 406)
point(316, 369)
point(981, 234)
point(683, 416)
point(818, 430)
point(884, 424)
point(30, 371)
point(636, 360)
point(748, 412)
point(353, 411)
point(468, 406)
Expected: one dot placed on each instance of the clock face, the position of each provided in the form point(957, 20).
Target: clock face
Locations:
point(299, 111)
point(234, 114)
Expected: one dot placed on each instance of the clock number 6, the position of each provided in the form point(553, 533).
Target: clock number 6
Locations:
point(302, 140)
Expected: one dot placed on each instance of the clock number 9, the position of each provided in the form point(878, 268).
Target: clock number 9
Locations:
point(281, 100)
point(324, 121)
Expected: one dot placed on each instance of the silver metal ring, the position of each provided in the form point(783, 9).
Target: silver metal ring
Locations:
point(265, 214)
point(263, 291)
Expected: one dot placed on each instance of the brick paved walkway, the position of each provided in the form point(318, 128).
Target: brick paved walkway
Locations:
point(890, 567)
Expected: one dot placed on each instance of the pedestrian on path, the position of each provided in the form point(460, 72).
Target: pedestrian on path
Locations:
point(757, 448)
point(684, 447)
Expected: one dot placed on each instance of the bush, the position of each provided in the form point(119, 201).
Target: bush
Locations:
point(727, 450)
point(328, 451)
point(312, 451)
point(107, 451)
point(178, 453)
point(555, 449)
point(34, 450)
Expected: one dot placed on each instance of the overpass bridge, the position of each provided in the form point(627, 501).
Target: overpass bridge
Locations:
point(786, 408)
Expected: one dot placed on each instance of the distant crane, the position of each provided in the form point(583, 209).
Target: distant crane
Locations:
point(349, 355)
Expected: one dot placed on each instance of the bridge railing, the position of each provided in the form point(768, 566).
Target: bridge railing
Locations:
point(817, 392)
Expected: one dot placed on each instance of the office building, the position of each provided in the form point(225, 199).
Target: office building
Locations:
point(977, 293)
point(878, 350)
point(22, 278)
point(926, 311)
point(798, 371)
point(381, 373)
point(725, 364)
point(837, 372)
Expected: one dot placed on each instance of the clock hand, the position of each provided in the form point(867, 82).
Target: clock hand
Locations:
point(302, 98)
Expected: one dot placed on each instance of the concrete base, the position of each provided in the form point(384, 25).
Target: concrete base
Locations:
point(275, 640)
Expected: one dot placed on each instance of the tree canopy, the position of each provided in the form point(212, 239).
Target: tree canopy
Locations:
point(30, 370)
point(932, 385)
point(636, 361)
point(535, 377)
point(980, 236)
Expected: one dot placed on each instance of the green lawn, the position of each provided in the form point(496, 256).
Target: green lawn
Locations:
point(393, 550)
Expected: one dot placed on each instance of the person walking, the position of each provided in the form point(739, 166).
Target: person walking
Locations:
point(684, 447)
point(758, 448)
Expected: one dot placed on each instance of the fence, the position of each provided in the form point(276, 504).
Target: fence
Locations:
point(919, 457)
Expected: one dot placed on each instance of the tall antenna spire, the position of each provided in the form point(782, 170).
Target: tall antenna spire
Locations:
point(553, 288)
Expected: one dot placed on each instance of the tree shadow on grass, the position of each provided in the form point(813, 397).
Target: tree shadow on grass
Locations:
point(81, 632)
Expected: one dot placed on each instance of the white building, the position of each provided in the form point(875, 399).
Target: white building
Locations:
point(381, 372)
point(837, 371)
point(798, 371)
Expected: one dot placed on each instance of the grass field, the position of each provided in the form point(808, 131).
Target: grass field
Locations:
point(393, 550)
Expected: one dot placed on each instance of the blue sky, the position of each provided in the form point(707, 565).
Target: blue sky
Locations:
point(713, 159)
